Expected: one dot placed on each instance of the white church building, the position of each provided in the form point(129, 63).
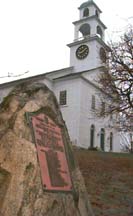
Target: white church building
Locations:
point(76, 87)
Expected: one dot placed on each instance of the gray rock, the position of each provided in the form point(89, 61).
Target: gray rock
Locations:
point(21, 189)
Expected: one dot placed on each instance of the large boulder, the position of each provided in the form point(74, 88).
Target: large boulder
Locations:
point(22, 188)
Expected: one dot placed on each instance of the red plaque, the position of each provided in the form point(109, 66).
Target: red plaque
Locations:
point(51, 154)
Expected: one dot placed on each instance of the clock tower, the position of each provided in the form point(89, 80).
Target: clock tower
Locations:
point(88, 50)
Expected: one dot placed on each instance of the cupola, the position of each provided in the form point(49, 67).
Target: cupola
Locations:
point(89, 23)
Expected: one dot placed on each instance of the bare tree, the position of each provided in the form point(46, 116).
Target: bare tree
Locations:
point(127, 142)
point(117, 80)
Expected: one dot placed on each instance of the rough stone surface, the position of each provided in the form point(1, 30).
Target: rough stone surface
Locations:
point(21, 191)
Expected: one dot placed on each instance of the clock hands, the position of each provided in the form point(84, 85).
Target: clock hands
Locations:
point(82, 51)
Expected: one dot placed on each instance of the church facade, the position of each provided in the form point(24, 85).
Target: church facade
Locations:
point(76, 86)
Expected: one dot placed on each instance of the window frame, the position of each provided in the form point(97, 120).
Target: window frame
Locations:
point(86, 12)
point(103, 108)
point(63, 98)
point(93, 103)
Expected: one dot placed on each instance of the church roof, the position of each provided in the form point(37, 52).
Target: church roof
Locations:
point(88, 3)
point(85, 4)
point(37, 77)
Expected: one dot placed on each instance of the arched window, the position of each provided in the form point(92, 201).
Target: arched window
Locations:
point(85, 29)
point(102, 138)
point(99, 31)
point(92, 133)
point(86, 12)
point(96, 12)
point(111, 141)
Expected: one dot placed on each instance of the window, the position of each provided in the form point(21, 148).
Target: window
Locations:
point(103, 108)
point(86, 12)
point(96, 12)
point(93, 102)
point(102, 139)
point(111, 141)
point(85, 29)
point(99, 31)
point(63, 97)
point(92, 133)
point(103, 56)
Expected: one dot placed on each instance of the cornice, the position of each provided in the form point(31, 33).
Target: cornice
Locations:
point(89, 18)
point(87, 39)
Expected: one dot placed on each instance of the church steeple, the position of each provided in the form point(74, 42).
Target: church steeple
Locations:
point(89, 32)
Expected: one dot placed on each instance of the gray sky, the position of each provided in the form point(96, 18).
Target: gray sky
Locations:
point(34, 33)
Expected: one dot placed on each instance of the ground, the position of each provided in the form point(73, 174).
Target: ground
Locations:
point(109, 181)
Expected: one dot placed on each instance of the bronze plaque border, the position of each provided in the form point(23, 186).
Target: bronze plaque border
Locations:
point(51, 115)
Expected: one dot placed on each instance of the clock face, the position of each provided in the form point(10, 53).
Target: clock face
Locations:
point(102, 54)
point(82, 51)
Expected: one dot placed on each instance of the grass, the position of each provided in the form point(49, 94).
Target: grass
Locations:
point(109, 181)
